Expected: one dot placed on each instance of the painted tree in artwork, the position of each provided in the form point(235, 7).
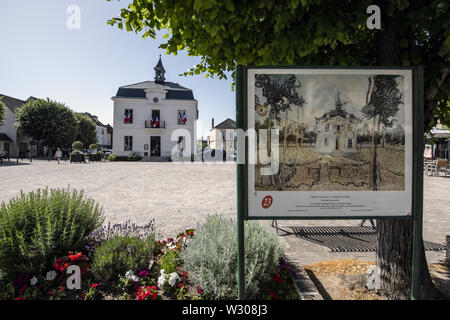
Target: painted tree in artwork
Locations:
point(382, 105)
point(281, 96)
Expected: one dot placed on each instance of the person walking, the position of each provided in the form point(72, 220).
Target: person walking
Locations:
point(58, 155)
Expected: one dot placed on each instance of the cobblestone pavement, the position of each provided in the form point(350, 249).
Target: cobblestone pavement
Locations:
point(179, 196)
point(436, 226)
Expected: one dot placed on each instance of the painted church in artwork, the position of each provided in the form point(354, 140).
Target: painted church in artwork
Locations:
point(336, 131)
point(154, 118)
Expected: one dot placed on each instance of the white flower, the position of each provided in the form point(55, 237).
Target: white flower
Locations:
point(131, 276)
point(173, 278)
point(2, 274)
point(51, 275)
point(162, 271)
point(33, 281)
point(161, 280)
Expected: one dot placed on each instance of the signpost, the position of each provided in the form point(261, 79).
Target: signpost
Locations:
point(355, 152)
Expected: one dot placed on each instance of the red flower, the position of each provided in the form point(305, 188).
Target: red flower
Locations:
point(94, 285)
point(83, 269)
point(144, 292)
point(277, 278)
point(22, 290)
point(18, 298)
point(273, 295)
point(60, 267)
point(180, 285)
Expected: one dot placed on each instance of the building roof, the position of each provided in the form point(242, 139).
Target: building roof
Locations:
point(338, 111)
point(440, 133)
point(159, 65)
point(227, 124)
point(12, 103)
point(137, 90)
point(4, 137)
point(95, 119)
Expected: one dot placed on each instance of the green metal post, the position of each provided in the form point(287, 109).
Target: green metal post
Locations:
point(240, 185)
point(418, 134)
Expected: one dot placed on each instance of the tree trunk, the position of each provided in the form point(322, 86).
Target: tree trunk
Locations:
point(373, 163)
point(395, 237)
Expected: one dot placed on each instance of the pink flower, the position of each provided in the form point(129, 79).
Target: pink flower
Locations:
point(143, 273)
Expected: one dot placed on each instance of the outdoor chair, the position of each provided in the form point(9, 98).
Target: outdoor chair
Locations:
point(441, 165)
point(428, 166)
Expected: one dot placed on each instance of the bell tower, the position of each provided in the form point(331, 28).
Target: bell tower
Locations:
point(159, 72)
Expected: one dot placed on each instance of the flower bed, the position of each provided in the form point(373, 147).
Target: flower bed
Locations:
point(152, 283)
point(126, 262)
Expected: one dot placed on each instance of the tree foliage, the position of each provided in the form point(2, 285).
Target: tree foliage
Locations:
point(86, 130)
point(48, 121)
point(224, 33)
point(385, 100)
point(2, 111)
point(280, 95)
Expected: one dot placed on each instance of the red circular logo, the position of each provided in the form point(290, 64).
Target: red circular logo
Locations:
point(267, 202)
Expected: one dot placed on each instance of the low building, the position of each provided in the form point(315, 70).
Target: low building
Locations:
point(154, 118)
point(223, 136)
point(103, 137)
point(439, 139)
point(336, 131)
point(11, 141)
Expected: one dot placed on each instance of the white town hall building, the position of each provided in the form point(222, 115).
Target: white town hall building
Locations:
point(154, 118)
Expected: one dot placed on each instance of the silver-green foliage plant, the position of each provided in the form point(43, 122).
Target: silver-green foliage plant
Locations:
point(37, 227)
point(211, 257)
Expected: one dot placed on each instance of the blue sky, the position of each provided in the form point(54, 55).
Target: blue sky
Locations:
point(41, 57)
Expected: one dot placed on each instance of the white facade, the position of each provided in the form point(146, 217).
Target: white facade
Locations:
point(336, 135)
point(102, 135)
point(144, 99)
point(10, 130)
point(223, 135)
point(19, 144)
point(336, 131)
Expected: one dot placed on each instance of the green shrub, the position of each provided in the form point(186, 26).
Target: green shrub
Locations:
point(121, 253)
point(93, 147)
point(74, 156)
point(77, 145)
point(169, 262)
point(211, 257)
point(133, 156)
point(38, 227)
